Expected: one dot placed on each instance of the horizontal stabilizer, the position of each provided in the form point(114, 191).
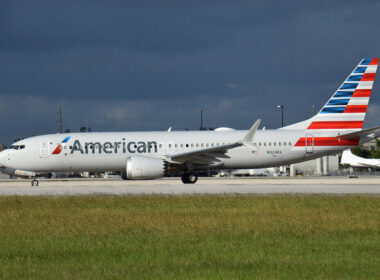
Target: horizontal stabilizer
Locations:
point(361, 133)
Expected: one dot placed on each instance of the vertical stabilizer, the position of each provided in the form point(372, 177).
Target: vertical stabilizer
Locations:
point(347, 108)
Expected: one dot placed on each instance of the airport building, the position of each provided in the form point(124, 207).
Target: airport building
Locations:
point(328, 165)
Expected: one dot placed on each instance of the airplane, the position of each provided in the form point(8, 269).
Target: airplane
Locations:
point(348, 158)
point(151, 155)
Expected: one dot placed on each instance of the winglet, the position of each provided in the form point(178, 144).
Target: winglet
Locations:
point(248, 138)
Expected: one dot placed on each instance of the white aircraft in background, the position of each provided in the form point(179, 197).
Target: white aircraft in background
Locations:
point(348, 158)
point(150, 155)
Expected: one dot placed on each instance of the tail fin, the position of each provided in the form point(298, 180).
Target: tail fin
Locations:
point(347, 107)
point(347, 157)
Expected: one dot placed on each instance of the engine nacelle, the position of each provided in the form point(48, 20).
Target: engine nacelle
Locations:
point(142, 167)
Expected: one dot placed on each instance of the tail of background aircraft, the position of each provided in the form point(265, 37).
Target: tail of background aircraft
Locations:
point(348, 158)
point(347, 107)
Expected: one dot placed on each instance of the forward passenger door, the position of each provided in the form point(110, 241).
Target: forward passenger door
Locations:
point(44, 148)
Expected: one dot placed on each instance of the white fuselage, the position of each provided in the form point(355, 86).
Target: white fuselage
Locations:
point(108, 151)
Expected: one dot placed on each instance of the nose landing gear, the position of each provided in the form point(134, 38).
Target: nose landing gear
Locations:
point(189, 178)
point(34, 183)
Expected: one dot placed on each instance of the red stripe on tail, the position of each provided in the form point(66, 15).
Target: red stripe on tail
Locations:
point(336, 125)
point(362, 93)
point(356, 109)
point(374, 61)
point(368, 77)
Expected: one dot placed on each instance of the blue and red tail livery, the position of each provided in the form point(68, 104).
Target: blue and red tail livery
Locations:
point(346, 109)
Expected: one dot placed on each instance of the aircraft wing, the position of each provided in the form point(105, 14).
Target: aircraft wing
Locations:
point(375, 131)
point(213, 154)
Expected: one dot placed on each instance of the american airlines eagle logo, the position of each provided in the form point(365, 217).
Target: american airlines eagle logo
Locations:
point(59, 148)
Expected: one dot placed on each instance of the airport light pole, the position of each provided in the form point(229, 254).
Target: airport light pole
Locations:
point(60, 129)
point(282, 114)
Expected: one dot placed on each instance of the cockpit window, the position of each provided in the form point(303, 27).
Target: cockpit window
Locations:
point(17, 147)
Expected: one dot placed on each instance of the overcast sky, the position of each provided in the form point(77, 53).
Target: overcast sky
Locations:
point(148, 65)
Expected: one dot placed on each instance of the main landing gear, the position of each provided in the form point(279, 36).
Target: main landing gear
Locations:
point(34, 182)
point(189, 178)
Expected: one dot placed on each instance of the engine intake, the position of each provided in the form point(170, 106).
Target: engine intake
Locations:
point(142, 167)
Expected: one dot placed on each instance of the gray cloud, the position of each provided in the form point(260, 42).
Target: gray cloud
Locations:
point(127, 65)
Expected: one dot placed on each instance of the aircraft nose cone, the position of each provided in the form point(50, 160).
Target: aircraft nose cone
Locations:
point(3, 155)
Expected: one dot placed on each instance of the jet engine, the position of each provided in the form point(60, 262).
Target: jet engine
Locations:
point(142, 167)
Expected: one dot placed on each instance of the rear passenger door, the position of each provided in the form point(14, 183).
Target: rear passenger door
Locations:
point(309, 141)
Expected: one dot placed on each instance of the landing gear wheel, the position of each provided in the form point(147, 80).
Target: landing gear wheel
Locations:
point(192, 178)
point(34, 183)
point(189, 178)
point(185, 178)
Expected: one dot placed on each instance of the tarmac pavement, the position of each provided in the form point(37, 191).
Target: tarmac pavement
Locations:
point(174, 186)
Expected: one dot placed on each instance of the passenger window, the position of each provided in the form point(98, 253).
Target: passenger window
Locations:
point(181, 145)
point(201, 144)
point(175, 145)
point(290, 143)
point(274, 143)
point(284, 143)
point(192, 145)
point(212, 144)
point(265, 143)
point(279, 143)
point(187, 145)
point(197, 145)
point(170, 145)
point(206, 144)
point(269, 144)
point(260, 144)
